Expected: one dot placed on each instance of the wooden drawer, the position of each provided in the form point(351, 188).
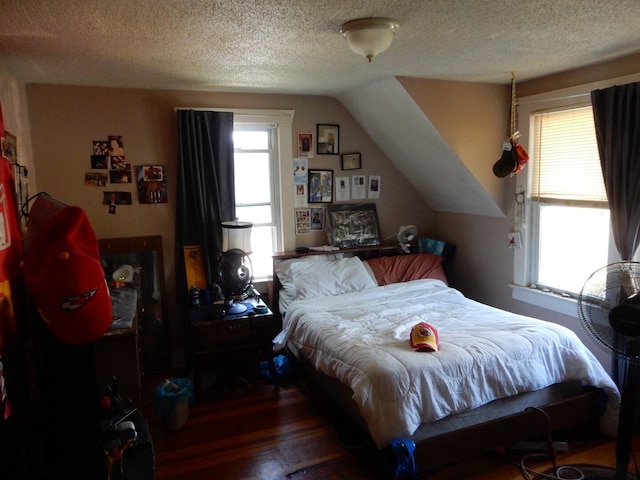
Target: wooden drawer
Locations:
point(206, 336)
point(234, 332)
point(262, 328)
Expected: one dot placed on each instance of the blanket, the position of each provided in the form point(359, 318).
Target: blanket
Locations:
point(362, 339)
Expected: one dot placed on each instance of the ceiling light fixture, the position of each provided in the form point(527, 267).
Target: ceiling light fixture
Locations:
point(369, 36)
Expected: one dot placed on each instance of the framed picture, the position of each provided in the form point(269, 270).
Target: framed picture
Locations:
point(317, 218)
point(305, 145)
point(152, 184)
point(351, 161)
point(354, 225)
point(328, 139)
point(320, 186)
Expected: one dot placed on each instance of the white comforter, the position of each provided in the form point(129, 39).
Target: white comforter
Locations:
point(362, 339)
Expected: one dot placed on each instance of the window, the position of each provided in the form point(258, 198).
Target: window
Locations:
point(569, 212)
point(255, 160)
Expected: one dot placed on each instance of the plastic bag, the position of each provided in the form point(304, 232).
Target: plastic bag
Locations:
point(168, 393)
point(286, 368)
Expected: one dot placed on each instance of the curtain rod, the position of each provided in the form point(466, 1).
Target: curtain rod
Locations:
point(552, 99)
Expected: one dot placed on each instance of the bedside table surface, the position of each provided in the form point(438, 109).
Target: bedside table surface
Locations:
point(210, 313)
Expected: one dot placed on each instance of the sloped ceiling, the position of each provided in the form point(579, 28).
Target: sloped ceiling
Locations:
point(402, 130)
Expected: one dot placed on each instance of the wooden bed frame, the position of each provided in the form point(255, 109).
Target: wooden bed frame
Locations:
point(498, 424)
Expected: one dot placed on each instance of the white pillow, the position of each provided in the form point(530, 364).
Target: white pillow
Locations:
point(330, 278)
point(288, 290)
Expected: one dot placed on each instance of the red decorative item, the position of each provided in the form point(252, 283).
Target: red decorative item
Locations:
point(522, 156)
point(10, 293)
point(65, 278)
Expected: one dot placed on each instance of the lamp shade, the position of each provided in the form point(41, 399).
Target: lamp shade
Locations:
point(236, 234)
point(369, 36)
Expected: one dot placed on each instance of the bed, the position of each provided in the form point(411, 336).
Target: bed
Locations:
point(496, 378)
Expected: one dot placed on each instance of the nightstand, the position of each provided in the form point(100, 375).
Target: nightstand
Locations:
point(246, 337)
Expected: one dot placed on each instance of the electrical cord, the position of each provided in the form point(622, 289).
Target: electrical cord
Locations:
point(559, 472)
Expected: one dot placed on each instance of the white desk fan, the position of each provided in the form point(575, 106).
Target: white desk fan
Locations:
point(405, 235)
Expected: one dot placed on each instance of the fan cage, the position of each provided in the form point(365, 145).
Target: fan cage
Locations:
point(605, 289)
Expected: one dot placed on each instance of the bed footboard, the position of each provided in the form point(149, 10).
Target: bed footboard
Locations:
point(498, 424)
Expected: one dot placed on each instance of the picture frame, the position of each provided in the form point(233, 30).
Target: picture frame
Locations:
point(351, 161)
point(152, 184)
point(353, 225)
point(317, 218)
point(320, 186)
point(328, 139)
point(305, 145)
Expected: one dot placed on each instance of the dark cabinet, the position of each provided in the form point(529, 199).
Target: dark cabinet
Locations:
point(243, 338)
point(145, 345)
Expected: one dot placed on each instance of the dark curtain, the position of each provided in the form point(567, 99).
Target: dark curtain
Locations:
point(616, 113)
point(205, 193)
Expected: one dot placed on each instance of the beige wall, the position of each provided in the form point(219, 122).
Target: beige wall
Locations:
point(65, 120)
point(473, 119)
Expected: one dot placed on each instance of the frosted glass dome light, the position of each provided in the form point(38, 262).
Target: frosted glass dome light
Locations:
point(369, 36)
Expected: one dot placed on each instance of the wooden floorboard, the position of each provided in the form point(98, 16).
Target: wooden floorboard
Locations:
point(252, 431)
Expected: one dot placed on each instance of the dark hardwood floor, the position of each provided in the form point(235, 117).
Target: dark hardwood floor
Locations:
point(248, 430)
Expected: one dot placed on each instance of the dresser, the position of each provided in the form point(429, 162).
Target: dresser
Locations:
point(242, 339)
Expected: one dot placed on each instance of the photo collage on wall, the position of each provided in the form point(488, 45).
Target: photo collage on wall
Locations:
point(110, 169)
point(315, 186)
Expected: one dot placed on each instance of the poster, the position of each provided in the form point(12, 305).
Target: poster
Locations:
point(300, 195)
point(300, 171)
point(374, 186)
point(342, 189)
point(152, 184)
point(358, 187)
point(303, 221)
point(193, 262)
point(305, 145)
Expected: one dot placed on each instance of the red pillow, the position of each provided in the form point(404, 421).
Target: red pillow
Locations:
point(405, 268)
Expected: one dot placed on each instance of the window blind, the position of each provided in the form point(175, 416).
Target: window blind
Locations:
point(566, 158)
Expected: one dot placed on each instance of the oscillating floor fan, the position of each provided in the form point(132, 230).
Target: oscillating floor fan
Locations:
point(406, 233)
point(234, 276)
point(609, 310)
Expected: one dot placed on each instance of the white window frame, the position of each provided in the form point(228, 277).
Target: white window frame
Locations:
point(523, 257)
point(281, 120)
point(274, 204)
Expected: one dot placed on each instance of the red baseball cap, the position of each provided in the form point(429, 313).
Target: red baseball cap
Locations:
point(65, 278)
point(424, 337)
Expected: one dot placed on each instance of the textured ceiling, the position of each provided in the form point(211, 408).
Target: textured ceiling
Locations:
point(290, 46)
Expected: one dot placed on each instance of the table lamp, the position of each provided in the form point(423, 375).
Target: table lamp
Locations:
point(234, 265)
